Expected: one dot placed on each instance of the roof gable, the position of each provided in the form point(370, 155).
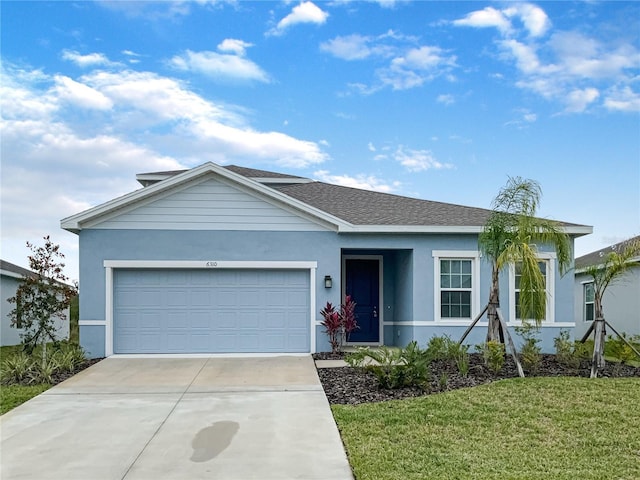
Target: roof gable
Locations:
point(147, 195)
point(208, 203)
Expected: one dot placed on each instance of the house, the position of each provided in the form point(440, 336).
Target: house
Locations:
point(10, 277)
point(226, 259)
point(620, 302)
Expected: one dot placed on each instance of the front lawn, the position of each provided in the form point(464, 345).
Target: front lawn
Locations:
point(13, 395)
point(532, 428)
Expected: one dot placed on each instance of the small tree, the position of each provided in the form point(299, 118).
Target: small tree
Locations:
point(42, 297)
point(615, 264)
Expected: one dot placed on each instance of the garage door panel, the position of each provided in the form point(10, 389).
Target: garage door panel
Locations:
point(248, 320)
point(212, 311)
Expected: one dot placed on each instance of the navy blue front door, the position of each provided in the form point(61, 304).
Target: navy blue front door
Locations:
point(362, 282)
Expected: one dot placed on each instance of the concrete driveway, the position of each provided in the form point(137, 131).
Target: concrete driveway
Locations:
point(189, 418)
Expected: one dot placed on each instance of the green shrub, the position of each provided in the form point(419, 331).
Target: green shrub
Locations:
point(17, 368)
point(564, 349)
point(617, 348)
point(530, 352)
point(493, 354)
point(571, 353)
point(69, 357)
point(394, 367)
point(438, 347)
point(43, 372)
point(444, 348)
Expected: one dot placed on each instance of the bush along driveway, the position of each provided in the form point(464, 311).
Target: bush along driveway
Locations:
point(24, 375)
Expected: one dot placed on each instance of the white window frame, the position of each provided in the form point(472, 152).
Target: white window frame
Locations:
point(472, 255)
point(550, 259)
point(584, 302)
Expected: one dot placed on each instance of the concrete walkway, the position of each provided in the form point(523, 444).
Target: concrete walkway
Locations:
point(190, 418)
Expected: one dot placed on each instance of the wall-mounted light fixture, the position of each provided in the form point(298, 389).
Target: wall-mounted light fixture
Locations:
point(328, 282)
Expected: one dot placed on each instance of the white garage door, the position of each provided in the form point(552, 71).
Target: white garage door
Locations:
point(211, 311)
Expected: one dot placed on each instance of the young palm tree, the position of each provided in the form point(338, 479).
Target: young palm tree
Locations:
point(512, 235)
point(614, 266)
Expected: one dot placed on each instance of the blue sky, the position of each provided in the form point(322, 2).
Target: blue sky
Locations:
point(436, 100)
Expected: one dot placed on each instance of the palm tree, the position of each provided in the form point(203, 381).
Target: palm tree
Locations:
point(615, 264)
point(511, 236)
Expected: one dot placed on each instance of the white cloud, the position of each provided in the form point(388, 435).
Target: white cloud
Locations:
point(219, 66)
point(406, 65)
point(569, 67)
point(488, 17)
point(160, 10)
point(525, 118)
point(534, 18)
point(80, 94)
point(234, 46)
point(371, 147)
point(89, 60)
point(581, 56)
point(415, 67)
point(446, 99)
point(578, 100)
point(305, 12)
point(418, 160)
point(623, 100)
point(361, 181)
point(350, 47)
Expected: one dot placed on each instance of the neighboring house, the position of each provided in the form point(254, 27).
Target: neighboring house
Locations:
point(237, 260)
point(10, 276)
point(621, 300)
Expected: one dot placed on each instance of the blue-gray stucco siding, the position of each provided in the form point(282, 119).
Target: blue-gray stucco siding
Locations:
point(408, 272)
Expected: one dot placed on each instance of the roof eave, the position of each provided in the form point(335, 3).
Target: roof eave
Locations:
point(575, 230)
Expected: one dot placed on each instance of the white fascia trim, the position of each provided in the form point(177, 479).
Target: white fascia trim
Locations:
point(96, 323)
point(73, 223)
point(469, 229)
point(7, 273)
point(209, 264)
point(408, 229)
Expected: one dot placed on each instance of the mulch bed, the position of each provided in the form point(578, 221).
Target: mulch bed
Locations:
point(62, 376)
point(346, 385)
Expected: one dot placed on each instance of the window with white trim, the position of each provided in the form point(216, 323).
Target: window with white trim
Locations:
point(546, 263)
point(588, 302)
point(456, 293)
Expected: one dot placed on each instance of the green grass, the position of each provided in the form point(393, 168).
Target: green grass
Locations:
point(533, 428)
point(13, 395)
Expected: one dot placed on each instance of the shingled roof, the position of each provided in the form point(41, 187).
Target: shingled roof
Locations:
point(18, 270)
point(595, 258)
point(364, 207)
